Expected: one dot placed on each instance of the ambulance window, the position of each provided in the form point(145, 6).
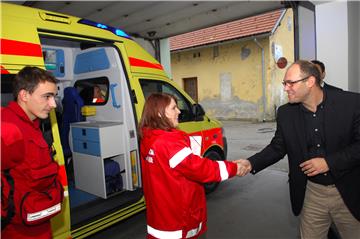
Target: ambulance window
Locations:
point(54, 61)
point(94, 91)
point(149, 87)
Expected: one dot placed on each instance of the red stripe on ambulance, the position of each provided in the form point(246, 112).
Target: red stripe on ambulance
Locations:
point(142, 63)
point(19, 48)
point(3, 70)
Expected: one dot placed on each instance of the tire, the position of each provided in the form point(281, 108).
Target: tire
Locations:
point(213, 155)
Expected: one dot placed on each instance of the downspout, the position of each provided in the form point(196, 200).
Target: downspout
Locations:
point(263, 78)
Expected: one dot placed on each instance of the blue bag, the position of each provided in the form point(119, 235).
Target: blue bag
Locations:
point(113, 179)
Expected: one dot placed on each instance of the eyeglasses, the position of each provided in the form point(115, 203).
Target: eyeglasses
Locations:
point(291, 83)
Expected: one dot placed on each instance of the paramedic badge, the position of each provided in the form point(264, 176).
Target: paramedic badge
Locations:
point(149, 157)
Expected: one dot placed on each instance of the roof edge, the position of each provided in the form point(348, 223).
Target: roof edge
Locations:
point(277, 24)
point(246, 38)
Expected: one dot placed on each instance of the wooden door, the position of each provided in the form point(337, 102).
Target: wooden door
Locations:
point(190, 86)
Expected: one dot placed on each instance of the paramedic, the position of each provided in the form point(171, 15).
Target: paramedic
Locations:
point(98, 96)
point(34, 92)
point(172, 174)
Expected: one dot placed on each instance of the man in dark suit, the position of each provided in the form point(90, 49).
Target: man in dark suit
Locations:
point(321, 67)
point(319, 130)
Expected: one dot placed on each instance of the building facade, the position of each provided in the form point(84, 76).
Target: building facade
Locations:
point(231, 69)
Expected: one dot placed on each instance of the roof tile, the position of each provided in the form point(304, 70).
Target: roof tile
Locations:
point(255, 25)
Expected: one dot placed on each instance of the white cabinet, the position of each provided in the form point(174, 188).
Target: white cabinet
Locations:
point(92, 142)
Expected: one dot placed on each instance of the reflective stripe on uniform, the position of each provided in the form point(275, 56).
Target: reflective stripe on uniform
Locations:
point(173, 234)
point(179, 157)
point(164, 234)
point(224, 174)
point(194, 232)
point(44, 213)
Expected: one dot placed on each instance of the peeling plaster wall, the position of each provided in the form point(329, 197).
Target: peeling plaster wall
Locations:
point(227, 89)
point(233, 108)
point(229, 75)
point(283, 37)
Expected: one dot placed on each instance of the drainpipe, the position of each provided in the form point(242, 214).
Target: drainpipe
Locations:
point(263, 79)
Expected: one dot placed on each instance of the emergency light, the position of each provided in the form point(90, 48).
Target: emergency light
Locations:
point(114, 30)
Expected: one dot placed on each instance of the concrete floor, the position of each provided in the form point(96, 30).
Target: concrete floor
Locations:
point(254, 206)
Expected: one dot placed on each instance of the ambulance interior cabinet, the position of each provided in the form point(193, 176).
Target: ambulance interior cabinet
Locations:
point(92, 143)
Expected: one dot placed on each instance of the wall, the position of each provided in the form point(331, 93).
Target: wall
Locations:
point(283, 37)
point(332, 41)
point(307, 36)
point(338, 42)
point(230, 85)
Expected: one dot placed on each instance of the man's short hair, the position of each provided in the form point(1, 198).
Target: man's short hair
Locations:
point(29, 78)
point(308, 68)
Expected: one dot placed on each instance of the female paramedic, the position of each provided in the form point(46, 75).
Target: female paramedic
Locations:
point(172, 175)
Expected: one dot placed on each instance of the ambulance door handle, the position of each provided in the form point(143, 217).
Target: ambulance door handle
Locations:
point(113, 96)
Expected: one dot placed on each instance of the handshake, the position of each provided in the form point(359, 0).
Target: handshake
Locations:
point(243, 167)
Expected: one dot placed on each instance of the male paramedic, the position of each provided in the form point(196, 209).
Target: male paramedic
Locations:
point(34, 177)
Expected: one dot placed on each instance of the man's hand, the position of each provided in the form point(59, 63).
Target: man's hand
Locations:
point(314, 166)
point(244, 167)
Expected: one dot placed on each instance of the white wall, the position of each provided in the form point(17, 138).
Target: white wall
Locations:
point(332, 41)
point(306, 33)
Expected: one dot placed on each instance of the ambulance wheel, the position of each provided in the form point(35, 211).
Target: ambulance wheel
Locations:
point(211, 187)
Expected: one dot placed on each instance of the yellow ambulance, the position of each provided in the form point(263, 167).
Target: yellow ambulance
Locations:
point(104, 78)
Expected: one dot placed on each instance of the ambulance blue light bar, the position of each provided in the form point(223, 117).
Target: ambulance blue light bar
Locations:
point(114, 30)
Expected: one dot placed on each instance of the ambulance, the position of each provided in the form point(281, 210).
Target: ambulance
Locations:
point(89, 133)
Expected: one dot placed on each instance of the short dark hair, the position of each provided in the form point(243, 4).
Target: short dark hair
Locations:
point(29, 78)
point(307, 68)
point(153, 115)
point(319, 63)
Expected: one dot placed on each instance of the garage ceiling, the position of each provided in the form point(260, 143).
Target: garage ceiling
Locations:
point(158, 19)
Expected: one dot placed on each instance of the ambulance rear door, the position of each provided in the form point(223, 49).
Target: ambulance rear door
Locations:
point(104, 133)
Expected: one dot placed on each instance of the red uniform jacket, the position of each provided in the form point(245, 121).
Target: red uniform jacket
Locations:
point(173, 180)
point(37, 163)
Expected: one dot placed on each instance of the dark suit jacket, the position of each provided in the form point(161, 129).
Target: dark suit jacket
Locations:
point(342, 147)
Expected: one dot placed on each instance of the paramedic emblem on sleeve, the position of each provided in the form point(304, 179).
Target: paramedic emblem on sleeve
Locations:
point(150, 155)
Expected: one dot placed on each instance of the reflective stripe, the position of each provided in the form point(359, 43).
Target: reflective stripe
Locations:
point(194, 231)
point(179, 157)
point(173, 234)
point(44, 213)
point(164, 234)
point(223, 171)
